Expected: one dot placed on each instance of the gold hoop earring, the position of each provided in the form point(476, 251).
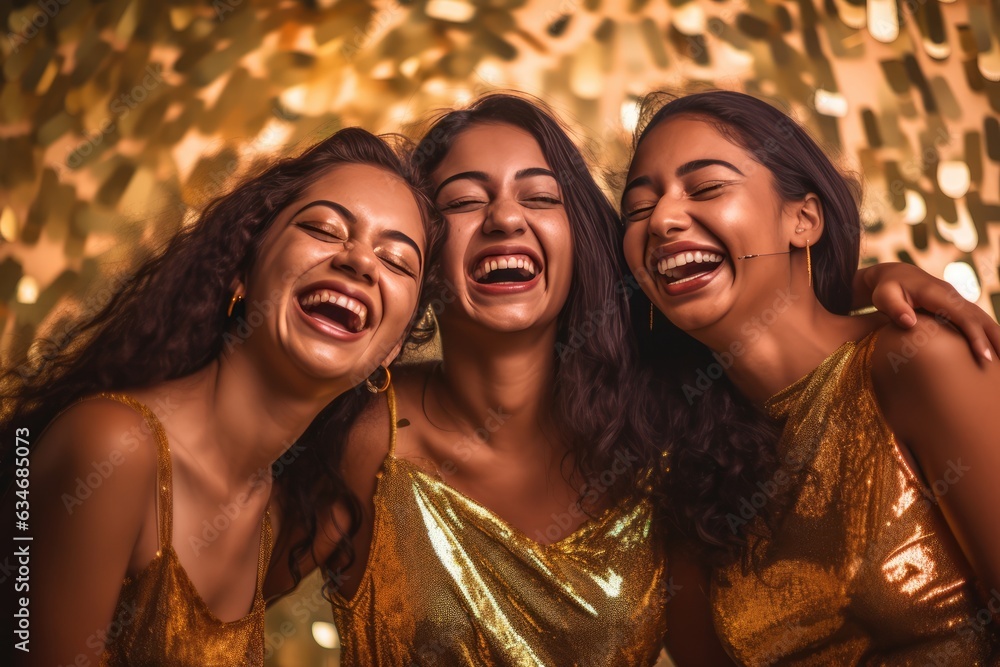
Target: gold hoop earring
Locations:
point(237, 297)
point(376, 389)
point(809, 264)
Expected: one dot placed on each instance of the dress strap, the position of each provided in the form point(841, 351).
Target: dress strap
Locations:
point(164, 484)
point(390, 397)
point(264, 554)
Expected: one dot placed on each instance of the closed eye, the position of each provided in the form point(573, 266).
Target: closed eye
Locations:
point(640, 211)
point(544, 200)
point(398, 263)
point(321, 232)
point(708, 189)
point(461, 205)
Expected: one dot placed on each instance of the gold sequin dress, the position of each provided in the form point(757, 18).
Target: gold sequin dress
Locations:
point(862, 569)
point(160, 618)
point(450, 583)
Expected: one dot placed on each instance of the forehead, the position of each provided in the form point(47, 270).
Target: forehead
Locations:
point(491, 148)
point(681, 139)
point(372, 194)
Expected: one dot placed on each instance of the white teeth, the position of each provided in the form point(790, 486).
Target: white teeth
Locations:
point(505, 262)
point(341, 300)
point(665, 265)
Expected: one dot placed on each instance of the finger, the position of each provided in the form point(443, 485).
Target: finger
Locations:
point(993, 333)
point(893, 301)
point(973, 323)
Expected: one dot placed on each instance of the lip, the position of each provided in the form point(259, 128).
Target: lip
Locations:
point(688, 286)
point(327, 329)
point(669, 249)
point(509, 288)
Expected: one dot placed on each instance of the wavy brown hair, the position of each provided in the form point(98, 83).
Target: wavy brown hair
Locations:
point(168, 319)
point(720, 445)
point(601, 399)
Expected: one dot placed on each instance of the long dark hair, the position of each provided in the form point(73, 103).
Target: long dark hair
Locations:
point(720, 446)
point(601, 401)
point(168, 319)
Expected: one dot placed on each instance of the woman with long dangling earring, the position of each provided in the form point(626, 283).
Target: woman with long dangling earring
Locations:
point(831, 491)
point(152, 437)
point(503, 515)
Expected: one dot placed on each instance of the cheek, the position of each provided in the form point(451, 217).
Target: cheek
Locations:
point(633, 246)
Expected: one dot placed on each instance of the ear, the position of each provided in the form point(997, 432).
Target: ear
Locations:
point(804, 219)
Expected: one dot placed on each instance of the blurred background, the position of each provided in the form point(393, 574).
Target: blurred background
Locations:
point(118, 119)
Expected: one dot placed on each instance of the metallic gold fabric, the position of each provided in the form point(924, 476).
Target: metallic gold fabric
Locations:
point(450, 583)
point(160, 618)
point(863, 568)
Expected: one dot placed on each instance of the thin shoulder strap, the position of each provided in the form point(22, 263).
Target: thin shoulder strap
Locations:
point(264, 552)
point(164, 495)
point(390, 396)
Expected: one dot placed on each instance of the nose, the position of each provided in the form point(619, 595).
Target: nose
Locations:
point(504, 216)
point(669, 216)
point(358, 261)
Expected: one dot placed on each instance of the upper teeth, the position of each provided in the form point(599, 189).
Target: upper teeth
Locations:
point(336, 298)
point(682, 258)
point(494, 262)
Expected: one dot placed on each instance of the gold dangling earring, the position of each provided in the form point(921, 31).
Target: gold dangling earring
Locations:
point(237, 297)
point(376, 389)
point(650, 316)
point(809, 264)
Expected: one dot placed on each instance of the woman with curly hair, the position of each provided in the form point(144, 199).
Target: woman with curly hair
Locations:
point(153, 435)
point(831, 474)
point(502, 517)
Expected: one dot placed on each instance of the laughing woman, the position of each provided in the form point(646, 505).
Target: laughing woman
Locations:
point(841, 476)
point(182, 410)
point(501, 517)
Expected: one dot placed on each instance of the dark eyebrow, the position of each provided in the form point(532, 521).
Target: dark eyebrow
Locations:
point(482, 177)
point(470, 175)
point(534, 171)
point(695, 165)
point(683, 170)
point(397, 235)
point(339, 208)
point(636, 182)
point(393, 234)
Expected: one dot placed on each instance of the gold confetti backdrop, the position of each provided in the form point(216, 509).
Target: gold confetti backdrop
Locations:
point(119, 118)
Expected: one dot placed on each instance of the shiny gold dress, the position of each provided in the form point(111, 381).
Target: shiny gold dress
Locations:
point(160, 619)
point(863, 569)
point(450, 583)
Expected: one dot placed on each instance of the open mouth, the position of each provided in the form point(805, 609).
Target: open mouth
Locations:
point(682, 267)
point(336, 309)
point(504, 269)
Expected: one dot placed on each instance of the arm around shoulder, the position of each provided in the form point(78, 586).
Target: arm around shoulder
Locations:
point(944, 406)
point(92, 480)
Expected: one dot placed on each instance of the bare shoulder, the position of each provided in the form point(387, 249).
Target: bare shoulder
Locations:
point(99, 435)
point(928, 376)
point(902, 356)
point(368, 438)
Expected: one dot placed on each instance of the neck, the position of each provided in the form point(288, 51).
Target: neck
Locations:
point(771, 345)
point(241, 419)
point(489, 375)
